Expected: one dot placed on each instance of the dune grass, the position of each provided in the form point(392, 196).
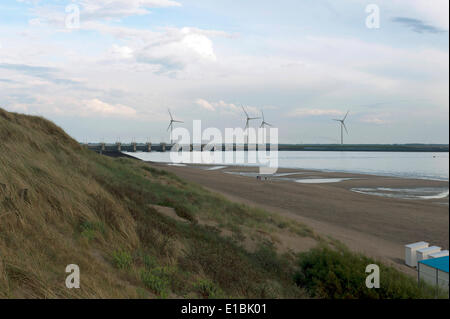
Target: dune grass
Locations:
point(85, 209)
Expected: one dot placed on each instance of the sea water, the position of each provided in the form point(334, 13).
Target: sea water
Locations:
point(419, 165)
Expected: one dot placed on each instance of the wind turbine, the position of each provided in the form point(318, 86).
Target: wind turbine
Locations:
point(171, 125)
point(342, 123)
point(247, 123)
point(264, 123)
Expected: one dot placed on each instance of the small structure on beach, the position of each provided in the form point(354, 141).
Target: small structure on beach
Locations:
point(411, 252)
point(442, 253)
point(434, 271)
point(424, 253)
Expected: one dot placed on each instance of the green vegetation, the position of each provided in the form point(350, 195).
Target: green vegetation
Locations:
point(208, 289)
point(99, 213)
point(62, 204)
point(157, 280)
point(122, 259)
point(339, 274)
point(91, 230)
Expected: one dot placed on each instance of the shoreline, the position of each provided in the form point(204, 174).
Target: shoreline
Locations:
point(330, 171)
point(312, 170)
point(286, 173)
point(378, 173)
point(377, 226)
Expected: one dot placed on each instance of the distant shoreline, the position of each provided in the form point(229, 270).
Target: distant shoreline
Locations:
point(433, 148)
point(117, 154)
point(423, 148)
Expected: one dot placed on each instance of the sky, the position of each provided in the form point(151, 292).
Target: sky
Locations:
point(108, 70)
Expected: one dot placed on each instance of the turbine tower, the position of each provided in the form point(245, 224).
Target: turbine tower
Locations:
point(171, 125)
point(343, 126)
point(247, 123)
point(264, 123)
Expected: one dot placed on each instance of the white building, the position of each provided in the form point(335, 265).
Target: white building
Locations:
point(424, 253)
point(411, 252)
point(442, 253)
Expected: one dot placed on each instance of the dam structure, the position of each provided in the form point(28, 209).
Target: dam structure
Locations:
point(165, 147)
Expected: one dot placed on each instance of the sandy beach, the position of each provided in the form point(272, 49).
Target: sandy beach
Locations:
point(377, 226)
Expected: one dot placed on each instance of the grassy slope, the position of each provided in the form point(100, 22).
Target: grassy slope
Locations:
point(95, 212)
point(100, 213)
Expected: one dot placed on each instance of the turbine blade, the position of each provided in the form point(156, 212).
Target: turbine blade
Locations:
point(246, 114)
point(268, 124)
point(262, 113)
point(346, 116)
point(178, 121)
point(345, 127)
point(170, 125)
point(171, 117)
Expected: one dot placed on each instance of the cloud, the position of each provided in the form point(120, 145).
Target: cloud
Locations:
point(19, 107)
point(41, 72)
point(7, 81)
point(417, 25)
point(122, 52)
point(205, 104)
point(378, 119)
point(303, 112)
point(97, 107)
point(436, 11)
point(176, 49)
point(29, 1)
point(35, 22)
point(29, 69)
point(91, 10)
point(226, 108)
point(94, 9)
point(220, 105)
point(170, 50)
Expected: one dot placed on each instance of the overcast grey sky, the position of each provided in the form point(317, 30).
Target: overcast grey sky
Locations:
point(302, 62)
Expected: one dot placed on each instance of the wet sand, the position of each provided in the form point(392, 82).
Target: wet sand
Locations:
point(376, 226)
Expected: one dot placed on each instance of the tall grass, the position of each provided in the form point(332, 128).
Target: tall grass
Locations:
point(94, 211)
point(340, 274)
